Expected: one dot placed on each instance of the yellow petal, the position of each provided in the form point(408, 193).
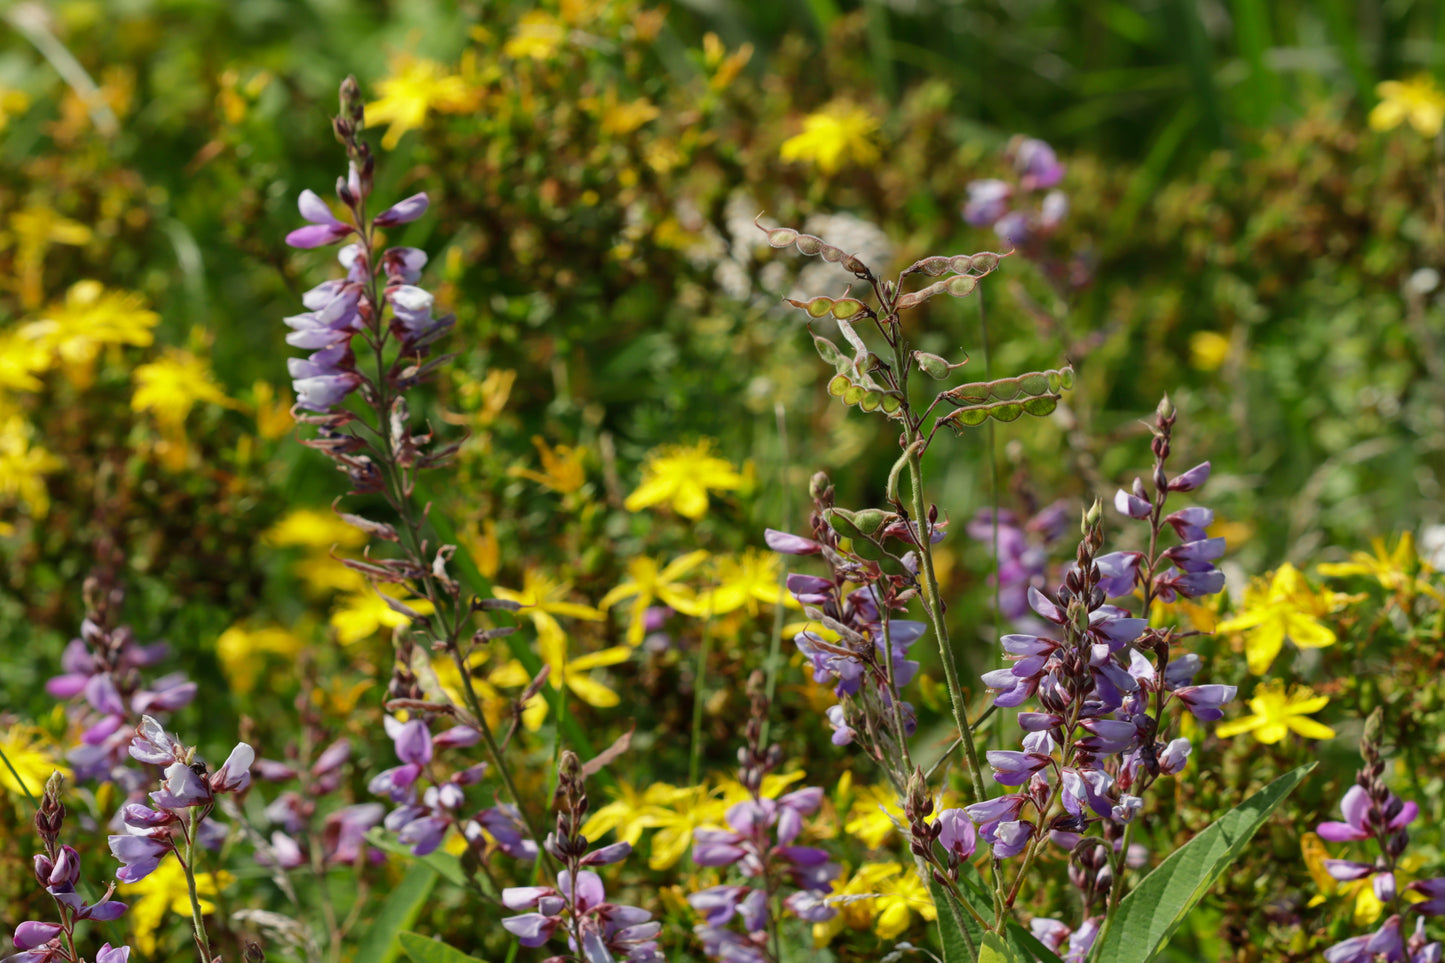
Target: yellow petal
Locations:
point(612, 656)
point(1262, 645)
point(1228, 730)
point(592, 693)
point(1311, 729)
point(1309, 634)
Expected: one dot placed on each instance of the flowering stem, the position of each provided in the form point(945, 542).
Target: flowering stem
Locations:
point(198, 923)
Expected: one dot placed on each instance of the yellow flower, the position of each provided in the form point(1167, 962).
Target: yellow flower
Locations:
point(681, 476)
point(90, 317)
point(1282, 607)
point(1277, 712)
point(238, 649)
point(1208, 350)
point(743, 580)
point(874, 816)
point(34, 757)
point(361, 615)
point(313, 528)
point(12, 104)
point(494, 704)
point(546, 598)
point(646, 583)
point(684, 810)
point(618, 119)
point(273, 411)
point(562, 467)
point(415, 87)
point(21, 360)
point(1396, 570)
point(538, 35)
point(1416, 101)
point(164, 891)
point(630, 812)
point(23, 467)
point(35, 229)
point(172, 385)
point(881, 896)
point(839, 134)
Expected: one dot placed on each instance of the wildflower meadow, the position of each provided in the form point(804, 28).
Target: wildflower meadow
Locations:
point(843, 480)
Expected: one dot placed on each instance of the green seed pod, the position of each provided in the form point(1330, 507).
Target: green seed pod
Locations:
point(782, 237)
point(845, 308)
point(960, 285)
point(841, 521)
point(829, 352)
point(818, 307)
point(809, 244)
point(869, 520)
point(838, 385)
point(960, 264)
point(931, 364)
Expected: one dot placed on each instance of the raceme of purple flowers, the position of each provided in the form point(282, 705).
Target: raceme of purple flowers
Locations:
point(1005, 205)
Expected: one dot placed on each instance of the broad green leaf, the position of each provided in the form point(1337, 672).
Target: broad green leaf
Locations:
point(957, 942)
point(1025, 945)
point(995, 950)
point(380, 942)
point(1150, 915)
point(424, 950)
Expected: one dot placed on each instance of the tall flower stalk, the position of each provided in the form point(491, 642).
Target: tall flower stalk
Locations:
point(380, 304)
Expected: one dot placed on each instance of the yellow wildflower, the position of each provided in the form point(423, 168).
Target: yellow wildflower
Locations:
point(880, 896)
point(91, 317)
point(630, 811)
point(13, 103)
point(562, 467)
point(646, 583)
point(1416, 101)
point(546, 598)
point(362, 614)
point(685, 810)
point(538, 36)
point(1208, 350)
point(742, 580)
point(238, 649)
point(313, 528)
point(21, 360)
point(163, 891)
point(1397, 570)
point(35, 229)
point(1282, 607)
point(681, 476)
point(1277, 712)
point(23, 467)
point(34, 757)
point(172, 385)
point(414, 88)
point(620, 120)
point(874, 816)
point(841, 133)
point(273, 411)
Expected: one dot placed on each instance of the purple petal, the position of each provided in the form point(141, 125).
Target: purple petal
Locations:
point(31, 934)
point(403, 212)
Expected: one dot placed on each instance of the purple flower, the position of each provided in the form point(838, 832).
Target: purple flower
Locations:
point(1205, 700)
point(139, 856)
point(1037, 164)
point(1359, 823)
point(402, 212)
point(324, 227)
point(31, 934)
point(987, 201)
point(956, 833)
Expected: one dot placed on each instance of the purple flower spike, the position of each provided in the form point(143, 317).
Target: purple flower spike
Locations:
point(402, 212)
point(324, 227)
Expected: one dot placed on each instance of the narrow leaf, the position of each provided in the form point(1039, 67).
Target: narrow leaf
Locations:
point(379, 944)
point(1150, 915)
point(424, 950)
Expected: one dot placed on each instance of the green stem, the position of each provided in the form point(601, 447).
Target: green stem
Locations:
point(775, 658)
point(198, 923)
point(699, 676)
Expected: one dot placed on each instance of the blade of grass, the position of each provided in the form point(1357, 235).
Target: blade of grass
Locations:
point(1261, 89)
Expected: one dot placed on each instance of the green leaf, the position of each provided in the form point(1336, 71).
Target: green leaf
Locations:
point(995, 950)
point(445, 865)
point(379, 943)
point(1150, 915)
point(424, 950)
point(957, 942)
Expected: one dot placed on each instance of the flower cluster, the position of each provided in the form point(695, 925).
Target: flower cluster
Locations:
point(1373, 812)
point(997, 203)
point(186, 797)
point(358, 303)
point(759, 842)
point(103, 666)
point(1096, 741)
point(1021, 554)
point(595, 928)
point(422, 819)
point(58, 871)
point(853, 642)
